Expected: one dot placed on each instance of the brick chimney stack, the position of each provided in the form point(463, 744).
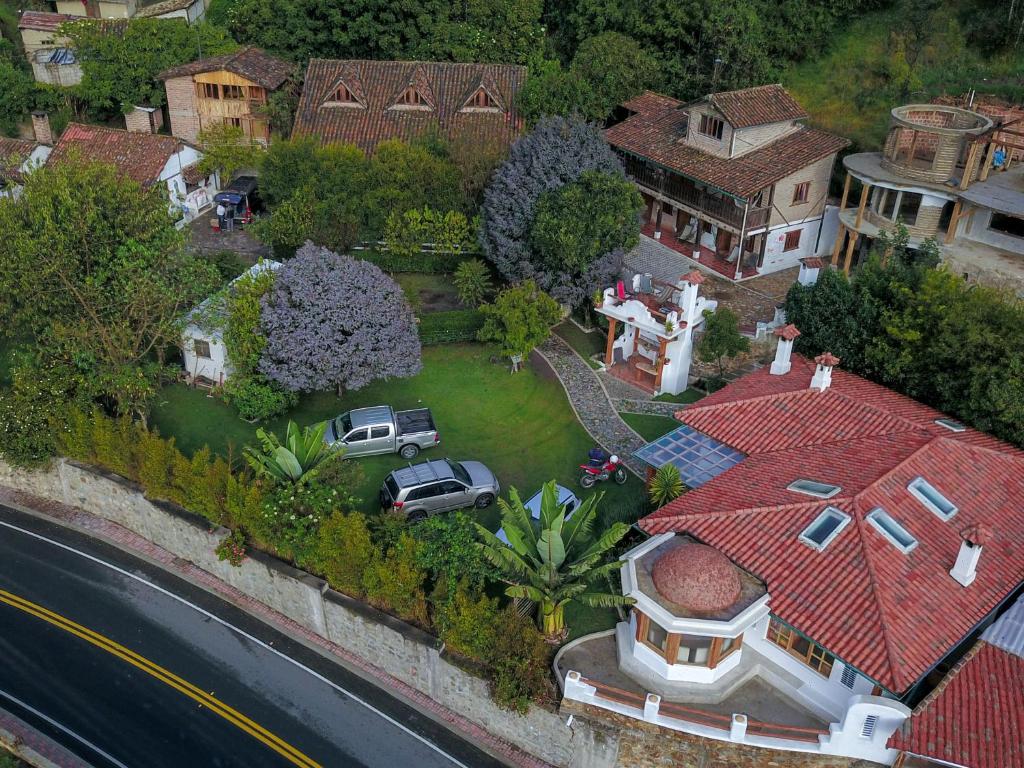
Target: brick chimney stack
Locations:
point(822, 378)
point(41, 128)
point(782, 363)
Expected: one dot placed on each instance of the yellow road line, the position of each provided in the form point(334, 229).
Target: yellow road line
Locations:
point(195, 693)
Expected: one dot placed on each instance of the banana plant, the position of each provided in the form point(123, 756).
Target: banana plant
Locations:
point(554, 561)
point(297, 460)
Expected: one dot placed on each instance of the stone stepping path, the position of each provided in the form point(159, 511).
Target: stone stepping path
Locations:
point(591, 403)
point(648, 407)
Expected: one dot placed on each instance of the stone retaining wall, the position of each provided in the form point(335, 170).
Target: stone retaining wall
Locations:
point(403, 651)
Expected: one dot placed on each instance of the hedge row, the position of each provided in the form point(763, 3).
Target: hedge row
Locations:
point(450, 327)
point(432, 263)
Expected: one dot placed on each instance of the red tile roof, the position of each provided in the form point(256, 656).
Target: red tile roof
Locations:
point(975, 717)
point(251, 63)
point(757, 106)
point(658, 137)
point(649, 102)
point(13, 153)
point(445, 87)
point(140, 156)
point(890, 615)
point(41, 21)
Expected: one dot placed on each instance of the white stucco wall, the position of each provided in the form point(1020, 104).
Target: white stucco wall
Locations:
point(216, 367)
point(775, 258)
point(978, 230)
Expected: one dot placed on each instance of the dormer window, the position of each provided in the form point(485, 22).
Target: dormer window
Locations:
point(344, 95)
point(932, 498)
point(812, 488)
point(411, 98)
point(711, 127)
point(824, 528)
point(482, 99)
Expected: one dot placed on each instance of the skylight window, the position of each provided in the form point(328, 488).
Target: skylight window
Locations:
point(812, 488)
point(826, 526)
point(886, 525)
point(930, 496)
point(951, 425)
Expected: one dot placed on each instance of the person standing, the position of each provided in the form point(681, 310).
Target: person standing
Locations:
point(220, 216)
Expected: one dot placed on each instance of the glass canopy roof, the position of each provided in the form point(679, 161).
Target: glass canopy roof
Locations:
point(698, 458)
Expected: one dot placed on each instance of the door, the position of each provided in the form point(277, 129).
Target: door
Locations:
point(357, 442)
point(456, 495)
point(380, 440)
point(429, 498)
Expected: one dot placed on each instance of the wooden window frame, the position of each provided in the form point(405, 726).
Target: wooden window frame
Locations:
point(711, 126)
point(412, 98)
point(342, 95)
point(237, 92)
point(482, 100)
point(801, 193)
point(785, 637)
point(209, 91)
point(674, 639)
point(199, 344)
point(256, 94)
point(786, 247)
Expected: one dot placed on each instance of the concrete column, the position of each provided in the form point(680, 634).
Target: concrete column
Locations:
point(651, 706)
point(738, 728)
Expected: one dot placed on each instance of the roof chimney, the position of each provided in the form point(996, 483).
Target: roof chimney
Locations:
point(41, 128)
point(782, 364)
point(691, 286)
point(966, 567)
point(822, 378)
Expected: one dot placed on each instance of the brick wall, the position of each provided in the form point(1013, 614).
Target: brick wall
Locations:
point(182, 108)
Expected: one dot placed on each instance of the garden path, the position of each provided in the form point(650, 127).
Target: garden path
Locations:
point(591, 403)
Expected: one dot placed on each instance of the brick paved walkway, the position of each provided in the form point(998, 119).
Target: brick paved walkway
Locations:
point(591, 403)
point(132, 542)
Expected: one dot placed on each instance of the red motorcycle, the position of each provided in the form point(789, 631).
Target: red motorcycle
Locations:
point(601, 468)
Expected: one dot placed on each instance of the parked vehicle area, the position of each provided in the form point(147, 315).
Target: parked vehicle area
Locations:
point(425, 489)
point(381, 429)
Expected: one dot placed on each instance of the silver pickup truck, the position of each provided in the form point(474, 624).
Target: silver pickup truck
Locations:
point(381, 429)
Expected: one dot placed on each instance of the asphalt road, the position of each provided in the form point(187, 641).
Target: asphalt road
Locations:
point(131, 667)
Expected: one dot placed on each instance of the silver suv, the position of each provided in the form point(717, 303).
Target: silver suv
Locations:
point(439, 486)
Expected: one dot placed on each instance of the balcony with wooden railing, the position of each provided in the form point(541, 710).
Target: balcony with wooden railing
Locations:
point(682, 191)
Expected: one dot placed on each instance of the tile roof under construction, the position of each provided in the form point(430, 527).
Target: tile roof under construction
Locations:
point(251, 63)
point(888, 613)
point(376, 86)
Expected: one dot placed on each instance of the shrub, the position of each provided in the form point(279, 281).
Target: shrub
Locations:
point(232, 549)
point(519, 660)
point(467, 622)
point(665, 486)
point(424, 261)
point(395, 582)
point(448, 551)
point(255, 398)
point(154, 457)
point(343, 552)
point(112, 445)
point(450, 327)
point(473, 282)
point(26, 434)
point(519, 319)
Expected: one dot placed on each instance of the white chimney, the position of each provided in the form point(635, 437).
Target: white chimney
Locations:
point(782, 364)
point(822, 378)
point(966, 567)
point(809, 269)
point(692, 282)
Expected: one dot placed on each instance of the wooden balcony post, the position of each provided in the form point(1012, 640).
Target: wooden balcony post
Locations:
point(849, 252)
point(838, 244)
point(972, 157)
point(954, 219)
point(659, 363)
point(608, 352)
point(989, 156)
point(860, 208)
point(846, 192)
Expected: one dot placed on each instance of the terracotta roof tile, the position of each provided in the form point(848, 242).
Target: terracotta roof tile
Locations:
point(164, 6)
point(975, 717)
point(650, 102)
point(250, 63)
point(890, 615)
point(13, 153)
point(140, 156)
point(378, 84)
point(757, 106)
point(658, 137)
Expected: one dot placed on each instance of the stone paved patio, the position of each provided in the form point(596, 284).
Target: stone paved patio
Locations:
point(204, 240)
point(591, 403)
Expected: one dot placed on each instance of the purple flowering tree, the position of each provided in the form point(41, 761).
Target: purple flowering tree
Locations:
point(556, 154)
point(336, 322)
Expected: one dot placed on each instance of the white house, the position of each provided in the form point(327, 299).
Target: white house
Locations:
point(202, 343)
point(147, 158)
point(837, 545)
point(657, 320)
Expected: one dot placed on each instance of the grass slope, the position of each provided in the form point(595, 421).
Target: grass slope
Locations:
point(649, 427)
point(521, 425)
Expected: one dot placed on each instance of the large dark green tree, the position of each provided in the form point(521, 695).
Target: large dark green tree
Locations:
point(94, 271)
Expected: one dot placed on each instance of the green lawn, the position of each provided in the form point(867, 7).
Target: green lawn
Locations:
point(586, 344)
point(649, 427)
point(690, 395)
point(429, 293)
point(582, 620)
point(521, 425)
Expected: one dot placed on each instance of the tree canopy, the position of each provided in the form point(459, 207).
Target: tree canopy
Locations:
point(332, 321)
point(93, 268)
point(519, 319)
point(568, 240)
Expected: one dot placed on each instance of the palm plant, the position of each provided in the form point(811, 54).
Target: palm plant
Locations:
point(297, 461)
point(554, 561)
point(665, 486)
